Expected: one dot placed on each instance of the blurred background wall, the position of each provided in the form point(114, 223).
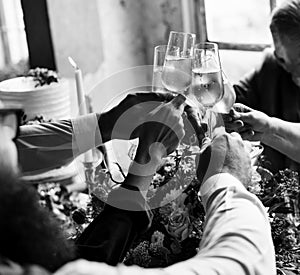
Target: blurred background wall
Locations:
point(106, 37)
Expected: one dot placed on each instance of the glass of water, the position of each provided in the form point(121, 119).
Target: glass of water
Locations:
point(207, 82)
point(158, 64)
point(176, 74)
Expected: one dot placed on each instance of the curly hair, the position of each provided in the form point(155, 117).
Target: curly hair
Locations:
point(29, 234)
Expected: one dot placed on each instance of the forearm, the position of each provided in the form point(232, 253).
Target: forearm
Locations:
point(49, 145)
point(284, 137)
point(112, 233)
point(236, 237)
point(45, 146)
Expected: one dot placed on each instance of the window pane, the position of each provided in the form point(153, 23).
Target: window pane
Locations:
point(238, 21)
point(13, 44)
point(237, 63)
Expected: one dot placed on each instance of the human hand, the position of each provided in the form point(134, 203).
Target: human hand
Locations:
point(83, 267)
point(249, 123)
point(161, 131)
point(193, 126)
point(159, 134)
point(121, 121)
point(226, 153)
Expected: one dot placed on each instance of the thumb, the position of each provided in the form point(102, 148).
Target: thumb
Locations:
point(238, 110)
point(246, 117)
point(178, 101)
point(241, 108)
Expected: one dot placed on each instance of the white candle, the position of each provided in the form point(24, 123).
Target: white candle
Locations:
point(80, 92)
point(88, 156)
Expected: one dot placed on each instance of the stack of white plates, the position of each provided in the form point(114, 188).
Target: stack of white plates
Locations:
point(52, 101)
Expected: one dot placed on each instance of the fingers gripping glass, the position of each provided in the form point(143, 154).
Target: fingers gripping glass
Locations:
point(10, 119)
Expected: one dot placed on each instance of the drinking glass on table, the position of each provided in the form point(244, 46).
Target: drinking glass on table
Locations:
point(207, 83)
point(176, 74)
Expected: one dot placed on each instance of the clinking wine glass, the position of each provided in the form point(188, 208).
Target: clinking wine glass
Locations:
point(207, 83)
point(158, 64)
point(176, 74)
point(228, 99)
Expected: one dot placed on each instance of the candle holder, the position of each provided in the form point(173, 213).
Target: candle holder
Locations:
point(96, 177)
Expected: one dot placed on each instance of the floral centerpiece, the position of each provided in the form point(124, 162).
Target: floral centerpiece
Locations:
point(177, 224)
point(179, 215)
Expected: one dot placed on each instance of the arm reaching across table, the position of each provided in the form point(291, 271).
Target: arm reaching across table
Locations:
point(49, 145)
point(126, 213)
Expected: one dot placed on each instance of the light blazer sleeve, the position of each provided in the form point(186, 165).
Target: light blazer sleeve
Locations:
point(237, 235)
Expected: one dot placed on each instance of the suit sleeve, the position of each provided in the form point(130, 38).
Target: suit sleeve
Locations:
point(50, 145)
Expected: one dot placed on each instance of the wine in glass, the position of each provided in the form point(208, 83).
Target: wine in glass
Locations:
point(176, 74)
point(207, 82)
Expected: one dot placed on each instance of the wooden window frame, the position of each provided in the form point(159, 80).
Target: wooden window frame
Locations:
point(38, 33)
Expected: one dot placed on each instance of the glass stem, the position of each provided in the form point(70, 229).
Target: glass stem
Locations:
point(208, 118)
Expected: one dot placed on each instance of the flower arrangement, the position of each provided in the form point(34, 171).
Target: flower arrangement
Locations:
point(43, 76)
point(177, 224)
point(280, 193)
point(179, 215)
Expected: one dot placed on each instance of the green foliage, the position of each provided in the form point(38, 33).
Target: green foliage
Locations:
point(43, 76)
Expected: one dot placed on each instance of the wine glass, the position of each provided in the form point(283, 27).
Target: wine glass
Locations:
point(228, 99)
point(176, 74)
point(158, 64)
point(207, 83)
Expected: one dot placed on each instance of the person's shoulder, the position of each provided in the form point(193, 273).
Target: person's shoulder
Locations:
point(269, 59)
point(268, 65)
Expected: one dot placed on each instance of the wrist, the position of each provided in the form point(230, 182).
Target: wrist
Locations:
point(145, 167)
point(270, 129)
point(143, 156)
point(104, 126)
point(139, 179)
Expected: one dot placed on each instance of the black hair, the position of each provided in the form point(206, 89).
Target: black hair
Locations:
point(285, 20)
point(29, 234)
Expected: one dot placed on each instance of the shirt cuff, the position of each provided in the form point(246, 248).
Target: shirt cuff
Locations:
point(215, 182)
point(86, 133)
